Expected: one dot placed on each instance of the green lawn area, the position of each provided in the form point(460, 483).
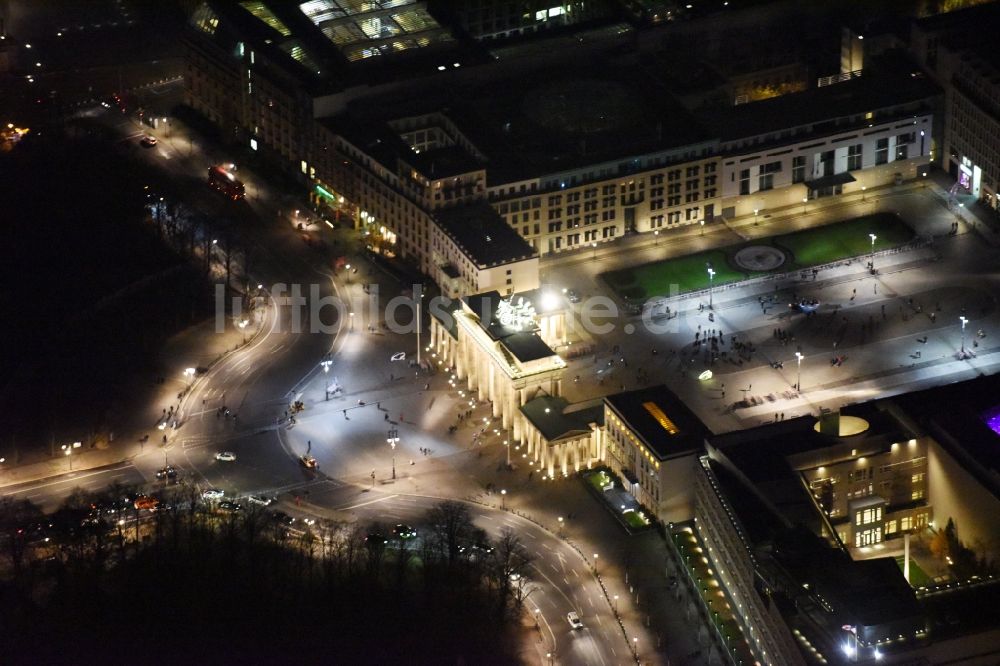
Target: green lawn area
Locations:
point(834, 242)
point(635, 520)
point(599, 479)
point(809, 247)
point(918, 577)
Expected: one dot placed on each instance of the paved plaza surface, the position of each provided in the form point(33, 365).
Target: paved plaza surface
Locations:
point(896, 331)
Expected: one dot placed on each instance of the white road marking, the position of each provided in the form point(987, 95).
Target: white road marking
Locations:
point(355, 506)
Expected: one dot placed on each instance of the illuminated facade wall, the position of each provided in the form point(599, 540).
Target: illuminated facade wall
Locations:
point(775, 177)
point(596, 205)
point(872, 496)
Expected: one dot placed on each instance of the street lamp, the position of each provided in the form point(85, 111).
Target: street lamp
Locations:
point(657, 235)
point(616, 604)
point(595, 563)
point(711, 274)
point(503, 499)
point(863, 188)
point(560, 525)
point(873, 237)
point(594, 245)
point(393, 439)
point(798, 383)
point(804, 201)
point(964, 322)
point(755, 211)
point(702, 222)
point(68, 452)
point(352, 321)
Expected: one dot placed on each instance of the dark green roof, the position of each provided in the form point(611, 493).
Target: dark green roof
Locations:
point(556, 418)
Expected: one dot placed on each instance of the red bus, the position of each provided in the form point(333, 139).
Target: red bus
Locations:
point(224, 181)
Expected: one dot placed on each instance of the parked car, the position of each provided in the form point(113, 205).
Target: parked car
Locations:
point(146, 502)
point(404, 532)
point(230, 507)
point(212, 494)
point(226, 456)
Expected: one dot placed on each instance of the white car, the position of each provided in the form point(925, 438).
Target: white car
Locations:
point(212, 494)
point(261, 500)
point(574, 620)
point(398, 356)
point(226, 456)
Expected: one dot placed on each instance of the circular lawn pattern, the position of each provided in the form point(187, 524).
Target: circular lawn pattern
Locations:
point(756, 258)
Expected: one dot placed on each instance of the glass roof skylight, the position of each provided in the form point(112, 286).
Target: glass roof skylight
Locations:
point(262, 12)
point(366, 28)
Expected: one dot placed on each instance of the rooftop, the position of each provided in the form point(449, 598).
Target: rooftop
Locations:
point(660, 419)
point(894, 81)
point(560, 117)
point(555, 418)
point(958, 416)
point(333, 44)
point(482, 234)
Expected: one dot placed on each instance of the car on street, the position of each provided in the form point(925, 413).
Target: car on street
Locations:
point(574, 620)
point(212, 494)
point(230, 506)
point(226, 456)
point(398, 356)
point(308, 461)
point(376, 539)
point(404, 532)
point(283, 518)
point(168, 473)
point(515, 576)
point(262, 500)
point(147, 141)
point(146, 502)
point(309, 521)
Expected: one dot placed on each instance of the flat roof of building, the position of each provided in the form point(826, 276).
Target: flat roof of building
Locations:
point(527, 347)
point(555, 418)
point(965, 418)
point(483, 235)
point(660, 419)
point(558, 117)
point(330, 45)
point(892, 81)
point(973, 29)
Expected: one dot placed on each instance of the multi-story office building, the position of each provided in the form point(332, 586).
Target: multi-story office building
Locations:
point(652, 440)
point(959, 51)
point(859, 133)
point(392, 119)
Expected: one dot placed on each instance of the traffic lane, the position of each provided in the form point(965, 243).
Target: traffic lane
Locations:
point(561, 581)
point(261, 465)
point(48, 494)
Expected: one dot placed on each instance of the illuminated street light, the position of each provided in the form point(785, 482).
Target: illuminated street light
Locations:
point(594, 245)
point(863, 188)
point(352, 321)
point(657, 235)
point(67, 450)
point(711, 275)
point(964, 322)
point(804, 201)
point(798, 383)
point(702, 222)
point(503, 499)
point(393, 439)
point(873, 237)
point(755, 211)
point(595, 563)
point(189, 373)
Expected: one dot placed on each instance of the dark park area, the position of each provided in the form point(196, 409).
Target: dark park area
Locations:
point(86, 270)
